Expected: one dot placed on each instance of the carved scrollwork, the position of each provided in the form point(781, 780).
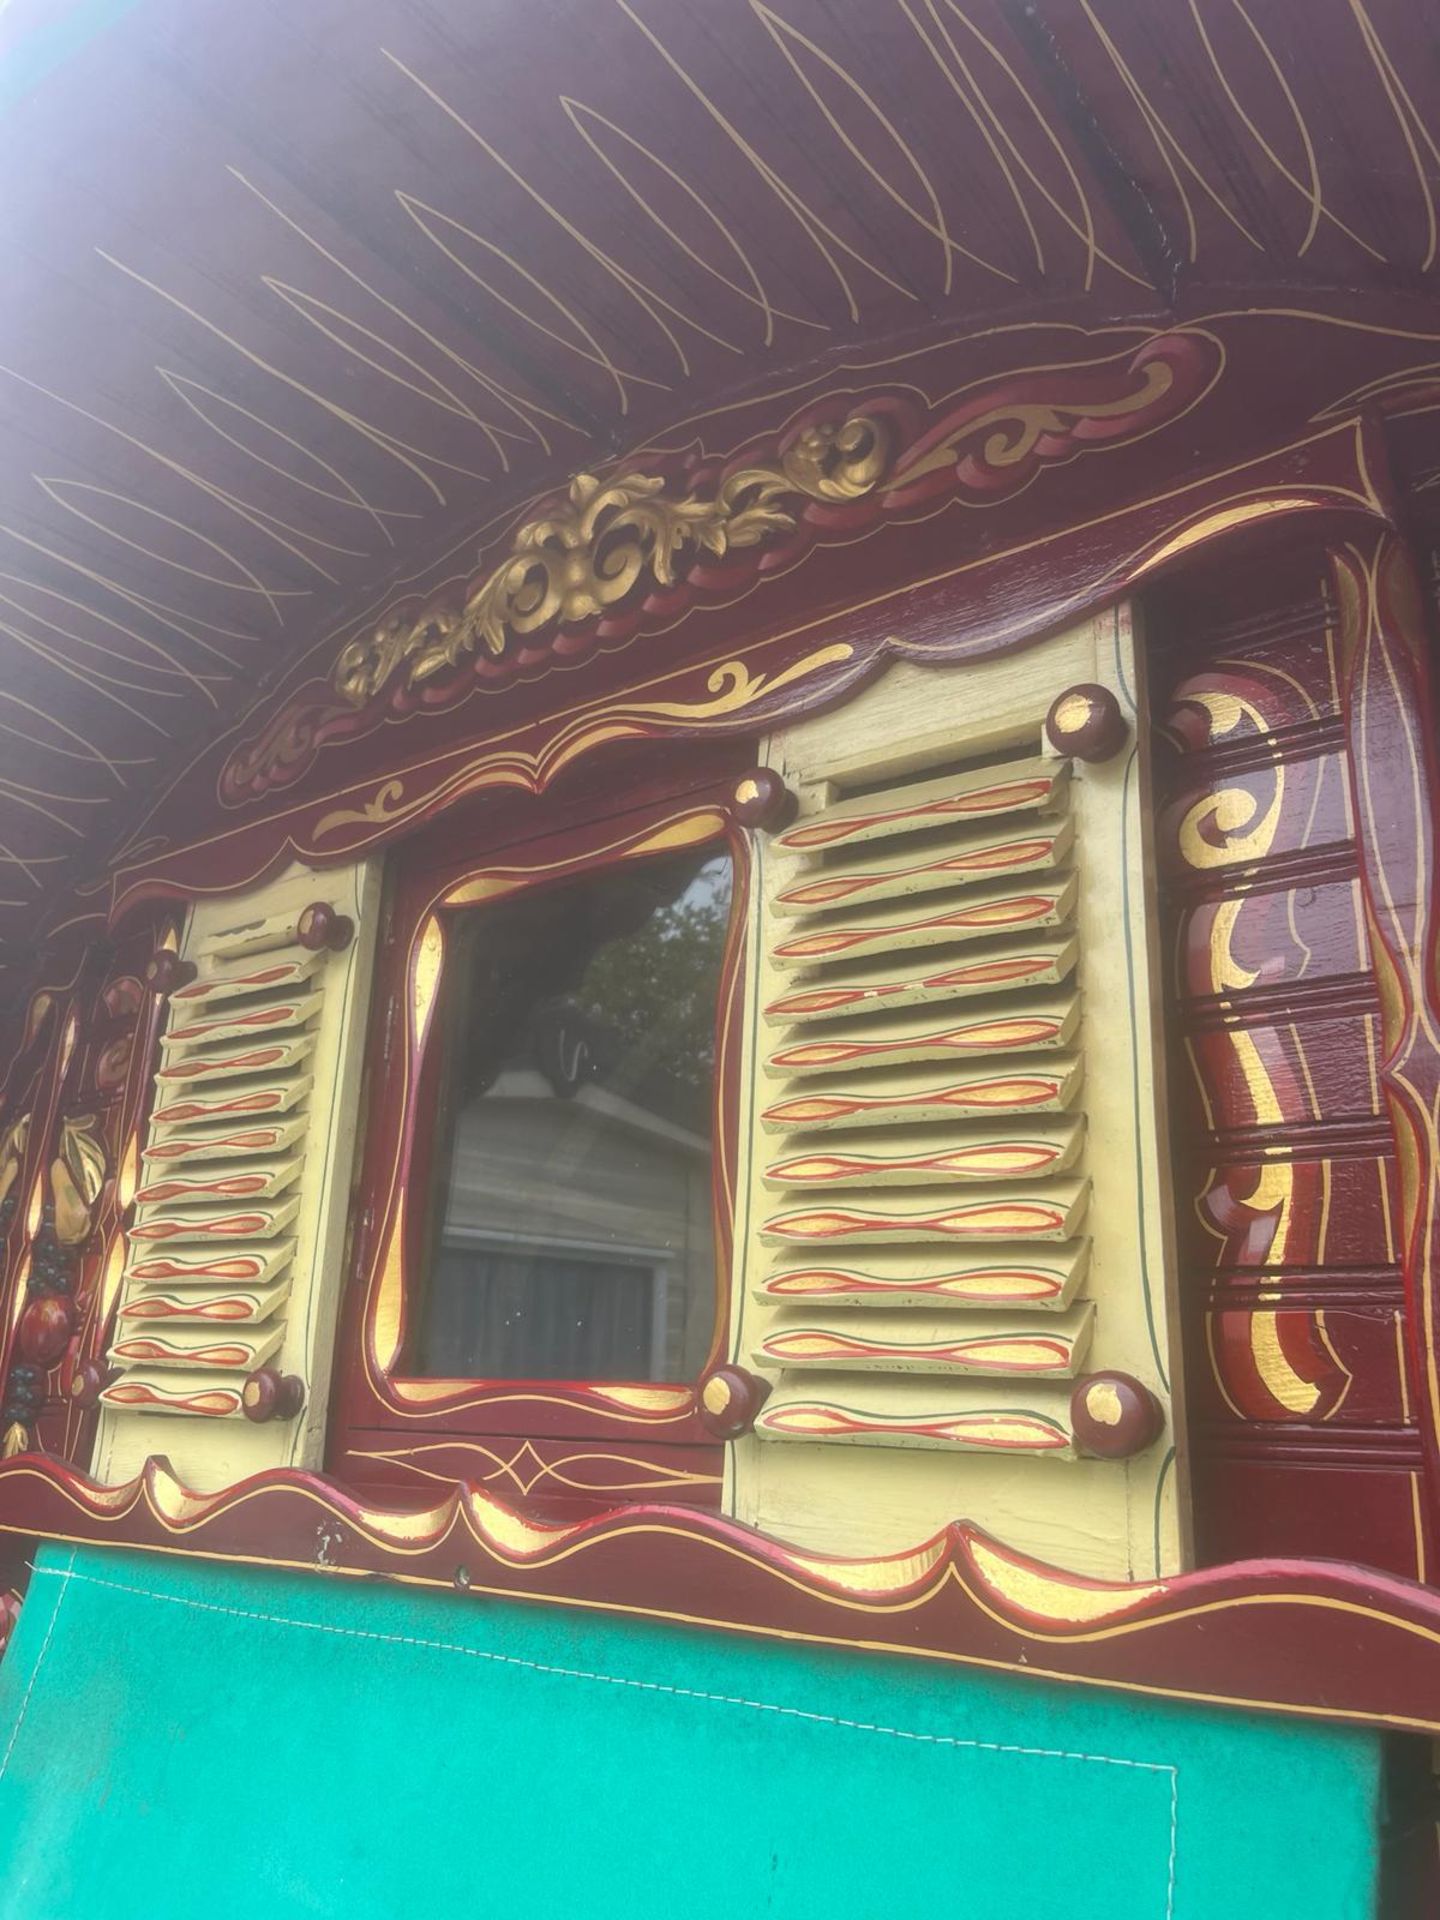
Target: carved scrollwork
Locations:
point(638, 547)
point(572, 565)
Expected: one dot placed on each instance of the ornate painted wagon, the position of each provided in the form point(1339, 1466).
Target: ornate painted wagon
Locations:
point(719, 1043)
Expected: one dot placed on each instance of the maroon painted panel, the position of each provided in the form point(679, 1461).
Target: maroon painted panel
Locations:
point(1291, 1213)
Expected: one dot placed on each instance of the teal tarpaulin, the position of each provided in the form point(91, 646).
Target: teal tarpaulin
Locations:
point(188, 1739)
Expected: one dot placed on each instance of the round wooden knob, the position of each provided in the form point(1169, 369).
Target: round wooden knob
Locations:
point(1113, 1415)
point(730, 1398)
point(88, 1380)
point(761, 799)
point(45, 1328)
point(166, 971)
point(1086, 722)
point(320, 929)
point(268, 1395)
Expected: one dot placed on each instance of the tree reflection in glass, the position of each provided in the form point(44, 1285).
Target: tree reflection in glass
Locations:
point(570, 1226)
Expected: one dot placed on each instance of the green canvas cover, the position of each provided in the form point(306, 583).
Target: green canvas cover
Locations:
point(180, 1738)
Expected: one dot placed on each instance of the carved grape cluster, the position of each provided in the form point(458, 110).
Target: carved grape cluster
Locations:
point(52, 1267)
point(24, 1394)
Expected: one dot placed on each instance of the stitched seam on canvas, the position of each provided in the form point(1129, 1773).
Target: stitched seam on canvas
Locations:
point(67, 1574)
point(605, 1679)
point(60, 1574)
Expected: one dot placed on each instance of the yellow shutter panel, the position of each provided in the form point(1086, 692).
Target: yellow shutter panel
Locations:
point(237, 1238)
point(954, 1212)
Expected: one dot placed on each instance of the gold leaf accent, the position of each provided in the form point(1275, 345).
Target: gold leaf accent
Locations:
point(12, 1152)
point(1102, 1403)
point(76, 1177)
point(732, 687)
point(17, 1440)
point(585, 557)
point(1063, 1599)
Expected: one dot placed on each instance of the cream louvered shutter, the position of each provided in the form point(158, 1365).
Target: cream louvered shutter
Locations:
point(953, 1208)
point(236, 1243)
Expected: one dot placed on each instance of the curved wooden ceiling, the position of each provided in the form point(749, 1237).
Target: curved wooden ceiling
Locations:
point(302, 292)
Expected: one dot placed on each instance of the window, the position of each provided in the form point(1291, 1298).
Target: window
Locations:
point(569, 1224)
point(543, 1254)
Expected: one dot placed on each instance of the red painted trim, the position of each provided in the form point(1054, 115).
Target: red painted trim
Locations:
point(1304, 1637)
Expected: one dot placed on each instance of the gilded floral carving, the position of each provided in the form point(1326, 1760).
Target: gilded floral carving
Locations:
point(588, 555)
point(640, 546)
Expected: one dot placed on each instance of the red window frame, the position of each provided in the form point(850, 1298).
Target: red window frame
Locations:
point(560, 1443)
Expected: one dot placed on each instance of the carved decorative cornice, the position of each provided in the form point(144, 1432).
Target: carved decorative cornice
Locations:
point(572, 565)
point(637, 548)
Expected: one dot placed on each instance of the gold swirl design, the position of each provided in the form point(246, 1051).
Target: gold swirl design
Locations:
point(732, 687)
point(1231, 813)
point(571, 565)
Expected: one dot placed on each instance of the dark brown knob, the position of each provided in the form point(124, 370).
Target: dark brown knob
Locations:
point(88, 1380)
point(268, 1395)
point(45, 1328)
point(762, 799)
point(166, 972)
point(320, 929)
point(1086, 722)
point(730, 1398)
point(1113, 1415)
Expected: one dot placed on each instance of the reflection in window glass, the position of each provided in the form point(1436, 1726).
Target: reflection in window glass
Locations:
point(571, 1229)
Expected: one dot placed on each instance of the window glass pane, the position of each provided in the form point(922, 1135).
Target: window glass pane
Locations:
point(571, 1234)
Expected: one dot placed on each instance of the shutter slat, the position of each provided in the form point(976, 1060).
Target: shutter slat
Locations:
point(965, 1416)
point(208, 1225)
point(917, 1277)
point(234, 1267)
point(247, 1021)
point(209, 1347)
point(195, 1396)
point(225, 1143)
point(962, 889)
point(928, 1156)
point(204, 1306)
point(273, 1056)
point(895, 1096)
point(975, 793)
point(277, 976)
point(984, 1344)
point(224, 1107)
point(922, 980)
point(973, 915)
point(930, 1034)
point(1052, 1211)
point(902, 874)
point(250, 1180)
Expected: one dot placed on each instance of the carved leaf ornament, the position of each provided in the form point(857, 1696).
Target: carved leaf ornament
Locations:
point(77, 1177)
point(589, 555)
point(621, 550)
